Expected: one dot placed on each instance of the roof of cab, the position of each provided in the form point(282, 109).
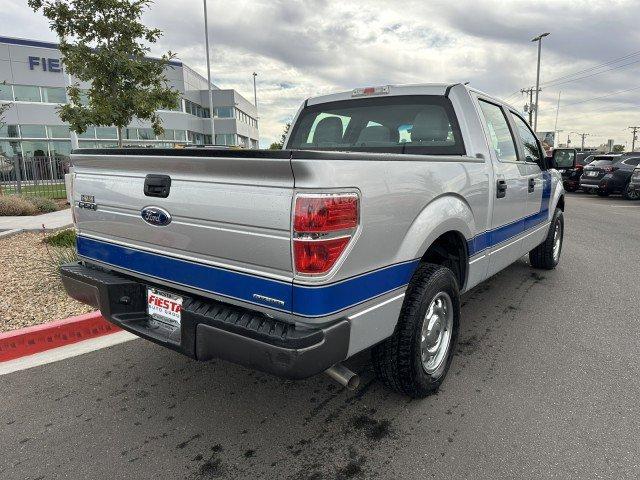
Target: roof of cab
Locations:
point(408, 89)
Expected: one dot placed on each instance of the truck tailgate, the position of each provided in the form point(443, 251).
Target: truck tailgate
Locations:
point(229, 209)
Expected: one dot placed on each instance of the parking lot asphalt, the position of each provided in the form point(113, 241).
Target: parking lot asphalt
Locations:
point(545, 384)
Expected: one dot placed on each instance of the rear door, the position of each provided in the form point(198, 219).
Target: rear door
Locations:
point(511, 176)
point(538, 185)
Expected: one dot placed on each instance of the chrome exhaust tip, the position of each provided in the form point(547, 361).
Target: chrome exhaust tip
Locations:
point(343, 376)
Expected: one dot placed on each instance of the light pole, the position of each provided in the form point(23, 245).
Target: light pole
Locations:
point(255, 92)
point(535, 114)
point(206, 39)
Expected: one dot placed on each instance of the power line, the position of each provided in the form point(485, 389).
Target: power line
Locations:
point(615, 60)
point(549, 84)
point(601, 96)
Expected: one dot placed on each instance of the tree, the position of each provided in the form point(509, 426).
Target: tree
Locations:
point(618, 148)
point(283, 137)
point(101, 42)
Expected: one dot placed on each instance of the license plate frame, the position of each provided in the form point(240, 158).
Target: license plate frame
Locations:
point(164, 307)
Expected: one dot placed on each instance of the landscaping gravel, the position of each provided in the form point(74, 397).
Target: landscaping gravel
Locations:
point(30, 291)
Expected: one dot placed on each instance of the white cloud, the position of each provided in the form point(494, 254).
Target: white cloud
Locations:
point(305, 48)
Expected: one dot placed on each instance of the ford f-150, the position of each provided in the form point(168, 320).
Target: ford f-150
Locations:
point(383, 207)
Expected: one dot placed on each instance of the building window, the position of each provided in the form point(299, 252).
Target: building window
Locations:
point(130, 134)
point(60, 149)
point(6, 93)
point(26, 93)
point(54, 95)
point(9, 131)
point(181, 135)
point(9, 149)
point(166, 135)
point(146, 134)
point(35, 149)
point(224, 112)
point(107, 133)
point(33, 131)
point(58, 131)
point(90, 132)
point(226, 139)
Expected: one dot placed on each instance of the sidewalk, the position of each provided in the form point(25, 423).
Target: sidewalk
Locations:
point(51, 221)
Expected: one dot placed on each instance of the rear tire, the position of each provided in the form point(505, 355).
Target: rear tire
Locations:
point(547, 255)
point(630, 194)
point(415, 360)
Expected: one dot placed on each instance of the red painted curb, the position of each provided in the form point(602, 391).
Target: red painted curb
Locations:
point(30, 340)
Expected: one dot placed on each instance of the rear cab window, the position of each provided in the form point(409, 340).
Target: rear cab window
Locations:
point(412, 124)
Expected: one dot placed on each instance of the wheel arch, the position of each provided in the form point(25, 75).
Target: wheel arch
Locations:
point(440, 233)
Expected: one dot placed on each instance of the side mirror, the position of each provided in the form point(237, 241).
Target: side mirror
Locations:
point(563, 158)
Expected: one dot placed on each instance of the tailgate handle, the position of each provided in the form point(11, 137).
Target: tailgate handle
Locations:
point(157, 186)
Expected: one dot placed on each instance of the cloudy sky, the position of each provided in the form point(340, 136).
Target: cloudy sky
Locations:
point(305, 48)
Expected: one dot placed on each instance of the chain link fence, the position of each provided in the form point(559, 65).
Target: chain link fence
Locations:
point(34, 176)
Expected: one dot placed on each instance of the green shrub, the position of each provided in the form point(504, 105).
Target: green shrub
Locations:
point(63, 238)
point(11, 205)
point(44, 205)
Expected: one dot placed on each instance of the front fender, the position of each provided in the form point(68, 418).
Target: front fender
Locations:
point(557, 189)
point(444, 214)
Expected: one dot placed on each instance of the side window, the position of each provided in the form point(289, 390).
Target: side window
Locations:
point(529, 141)
point(633, 162)
point(500, 136)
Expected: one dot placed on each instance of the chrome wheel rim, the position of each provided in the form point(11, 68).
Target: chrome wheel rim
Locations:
point(437, 326)
point(557, 241)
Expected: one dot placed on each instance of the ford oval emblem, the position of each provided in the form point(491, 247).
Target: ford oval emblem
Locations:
point(156, 216)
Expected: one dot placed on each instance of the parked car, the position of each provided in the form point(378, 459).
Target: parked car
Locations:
point(569, 164)
point(608, 174)
point(634, 182)
point(384, 206)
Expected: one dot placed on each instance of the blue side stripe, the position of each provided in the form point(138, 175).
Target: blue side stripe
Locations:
point(308, 301)
point(326, 299)
point(503, 233)
point(196, 275)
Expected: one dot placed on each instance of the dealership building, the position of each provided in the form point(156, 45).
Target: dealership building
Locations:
point(33, 81)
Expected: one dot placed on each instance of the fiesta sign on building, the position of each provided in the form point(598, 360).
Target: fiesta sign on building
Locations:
point(46, 64)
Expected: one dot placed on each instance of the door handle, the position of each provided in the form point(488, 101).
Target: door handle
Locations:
point(501, 189)
point(532, 185)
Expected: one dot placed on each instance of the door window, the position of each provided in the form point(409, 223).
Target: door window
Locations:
point(500, 137)
point(530, 144)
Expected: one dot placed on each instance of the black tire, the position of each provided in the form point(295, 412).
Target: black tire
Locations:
point(631, 194)
point(542, 256)
point(398, 360)
point(603, 193)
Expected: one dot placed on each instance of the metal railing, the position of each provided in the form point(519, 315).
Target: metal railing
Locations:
point(34, 176)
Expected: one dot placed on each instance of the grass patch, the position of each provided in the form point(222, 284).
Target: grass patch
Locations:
point(16, 205)
point(63, 238)
point(55, 191)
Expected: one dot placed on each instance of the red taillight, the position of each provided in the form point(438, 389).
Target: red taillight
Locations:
point(328, 213)
point(318, 256)
point(322, 228)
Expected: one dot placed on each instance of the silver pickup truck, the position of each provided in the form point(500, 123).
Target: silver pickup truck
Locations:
point(386, 204)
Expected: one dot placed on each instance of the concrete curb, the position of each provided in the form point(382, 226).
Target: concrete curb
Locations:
point(16, 231)
point(30, 340)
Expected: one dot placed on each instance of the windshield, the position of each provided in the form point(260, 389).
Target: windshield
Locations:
point(419, 124)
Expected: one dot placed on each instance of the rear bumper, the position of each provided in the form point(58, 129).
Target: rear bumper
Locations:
point(211, 329)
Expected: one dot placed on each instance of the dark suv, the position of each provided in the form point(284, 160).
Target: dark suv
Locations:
point(610, 174)
point(634, 183)
point(570, 164)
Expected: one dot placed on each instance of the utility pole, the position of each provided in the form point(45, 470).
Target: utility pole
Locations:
point(211, 111)
point(634, 137)
point(539, 40)
point(555, 128)
point(583, 135)
point(531, 107)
